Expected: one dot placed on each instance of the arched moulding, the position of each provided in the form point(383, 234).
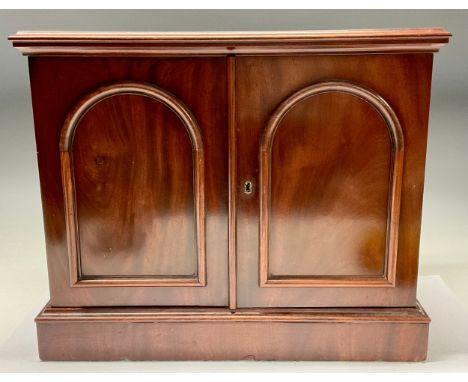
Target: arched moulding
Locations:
point(394, 193)
point(66, 146)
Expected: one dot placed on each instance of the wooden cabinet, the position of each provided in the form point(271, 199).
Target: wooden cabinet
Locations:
point(232, 195)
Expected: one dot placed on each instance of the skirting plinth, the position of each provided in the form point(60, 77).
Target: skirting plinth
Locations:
point(359, 334)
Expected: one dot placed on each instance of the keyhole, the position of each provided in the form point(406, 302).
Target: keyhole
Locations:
point(248, 187)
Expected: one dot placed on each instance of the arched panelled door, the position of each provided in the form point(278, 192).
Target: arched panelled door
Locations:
point(322, 225)
point(144, 182)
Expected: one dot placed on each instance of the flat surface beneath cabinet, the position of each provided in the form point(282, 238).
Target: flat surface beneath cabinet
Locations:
point(448, 346)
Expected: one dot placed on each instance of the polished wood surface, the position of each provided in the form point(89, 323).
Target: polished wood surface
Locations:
point(232, 195)
point(232, 224)
point(330, 184)
point(414, 315)
point(133, 166)
point(397, 334)
point(210, 43)
point(135, 191)
point(331, 189)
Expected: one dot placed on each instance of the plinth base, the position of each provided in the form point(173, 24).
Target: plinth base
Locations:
point(109, 334)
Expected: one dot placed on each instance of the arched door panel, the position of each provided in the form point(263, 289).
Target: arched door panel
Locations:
point(330, 181)
point(133, 165)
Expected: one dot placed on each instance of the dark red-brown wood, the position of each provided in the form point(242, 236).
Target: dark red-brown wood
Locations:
point(209, 43)
point(232, 195)
point(332, 237)
point(133, 164)
point(133, 167)
point(396, 334)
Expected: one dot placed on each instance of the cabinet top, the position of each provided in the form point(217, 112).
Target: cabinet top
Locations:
point(220, 43)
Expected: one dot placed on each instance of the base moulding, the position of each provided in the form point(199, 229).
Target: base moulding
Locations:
point(137, 333)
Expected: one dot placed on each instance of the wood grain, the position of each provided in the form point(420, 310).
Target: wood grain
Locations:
point(130, 126)
point(413, 315)
point(139, 215)
point(402, 40)
point(231, 73)
point(336, 146)
point(334, 196)
point(232, 195)
point(397, 334)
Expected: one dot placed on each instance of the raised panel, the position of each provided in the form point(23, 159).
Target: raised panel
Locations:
point(133, 173)
point(331, 162)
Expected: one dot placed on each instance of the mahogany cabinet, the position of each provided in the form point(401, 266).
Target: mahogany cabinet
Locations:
point(249, 195)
